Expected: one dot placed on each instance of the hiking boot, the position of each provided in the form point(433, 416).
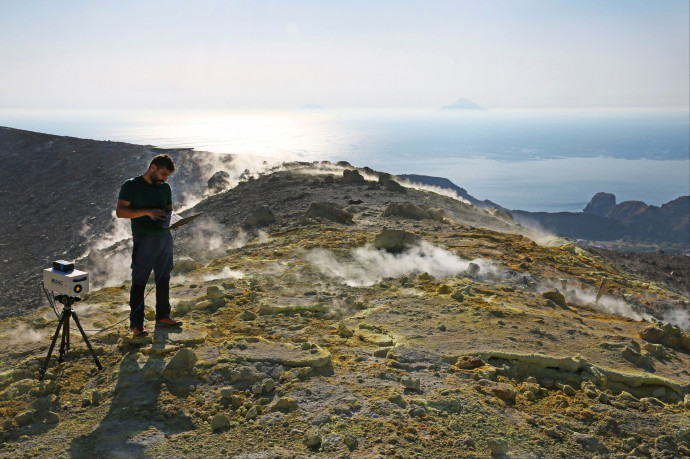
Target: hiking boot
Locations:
point(139, 332)
point(168, 322)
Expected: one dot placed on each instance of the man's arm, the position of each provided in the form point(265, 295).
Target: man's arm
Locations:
point(123, 210)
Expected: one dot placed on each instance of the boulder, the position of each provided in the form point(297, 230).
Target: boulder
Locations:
point(312, 437)
point(392, 185)
point(467, 362)
point(555, 296)
point(352, 176)
point(218, 182)
point(285, 405)
point(444, 289)
point(52, 418)
point(590, 443)
point(411, 383)
point(96, 397)
point(220, 421)
point(458, 296)
point(387, 182)
point(436, 214)
point(384, 177)
point(498, 446)
point(372, 337)
point(184, 265)
point(652, 333)
point(24, 418)
point(183, 361)
point(406, 210)
point(246, 315)
point(260, 217)
point(472, 270)
point(344, 331)
point(329, 212)
point(393, 240)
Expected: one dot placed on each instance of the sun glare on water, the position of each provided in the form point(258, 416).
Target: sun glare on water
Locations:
point(287, 136)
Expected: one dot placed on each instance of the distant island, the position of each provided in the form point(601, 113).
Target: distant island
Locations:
point(311, 107)
point(463, 104)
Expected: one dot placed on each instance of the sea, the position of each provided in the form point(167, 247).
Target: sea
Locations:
point(545, 160)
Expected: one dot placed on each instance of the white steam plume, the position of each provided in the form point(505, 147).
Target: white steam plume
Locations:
point(225, 273)
point(435, 189)
point(206, 234)
point(21, 334)
point(679, 318)
point(606, 304)
point(110, 269)
point(243, 238)
point(121, 231)
point(365, 265)
point(240, 168)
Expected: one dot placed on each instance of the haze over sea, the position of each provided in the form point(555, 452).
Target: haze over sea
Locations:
point(531, 160)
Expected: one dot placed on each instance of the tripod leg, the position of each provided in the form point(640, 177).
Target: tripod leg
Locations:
point(64, 344)
point(71, 313)
point(43, 369)
point(86, 340)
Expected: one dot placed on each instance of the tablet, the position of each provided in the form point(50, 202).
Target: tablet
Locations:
point(184, 221)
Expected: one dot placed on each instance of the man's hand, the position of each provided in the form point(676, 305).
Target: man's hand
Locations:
point(124, 210)
point(156, 214)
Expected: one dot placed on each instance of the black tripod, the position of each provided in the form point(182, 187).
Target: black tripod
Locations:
point(67, 312)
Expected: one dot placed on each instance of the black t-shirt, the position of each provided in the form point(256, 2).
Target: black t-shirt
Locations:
point(144, 195)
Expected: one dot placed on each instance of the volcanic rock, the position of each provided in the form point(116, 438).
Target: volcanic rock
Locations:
point(24, 418)
point(352, 176)
point(411, 383)
point(394, 240)
point(436, 214)
point(312, 437)
point(220, 421)
point(219, 181)
point(183, 361)
point(406, 210)
point(467, 362)
point(329, 212)
point(555, 296)
point(498, 446)
point(52, 418)
point(590, 443)
point(184, 265)
point(472, 270)
point(260, 217)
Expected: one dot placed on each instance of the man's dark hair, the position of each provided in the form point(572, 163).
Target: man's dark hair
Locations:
point(163, 162)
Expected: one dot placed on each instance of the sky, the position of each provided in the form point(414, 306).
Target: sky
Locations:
point(269, 55)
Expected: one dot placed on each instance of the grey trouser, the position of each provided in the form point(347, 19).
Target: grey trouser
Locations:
point(150, 253)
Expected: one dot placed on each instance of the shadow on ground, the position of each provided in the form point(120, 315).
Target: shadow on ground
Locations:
point(136, 419)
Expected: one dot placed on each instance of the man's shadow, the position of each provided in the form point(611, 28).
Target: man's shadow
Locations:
point(125, 431)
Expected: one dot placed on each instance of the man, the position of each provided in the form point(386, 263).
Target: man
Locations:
point(147, 201)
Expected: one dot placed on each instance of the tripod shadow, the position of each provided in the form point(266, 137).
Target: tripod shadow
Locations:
point(134, 421)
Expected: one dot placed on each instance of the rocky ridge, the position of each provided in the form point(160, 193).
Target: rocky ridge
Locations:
point(359, 327)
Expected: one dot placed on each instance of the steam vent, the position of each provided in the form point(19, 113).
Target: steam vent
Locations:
point(332, 316)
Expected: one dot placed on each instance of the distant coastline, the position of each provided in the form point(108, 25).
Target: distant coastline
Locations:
point(534, 161)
